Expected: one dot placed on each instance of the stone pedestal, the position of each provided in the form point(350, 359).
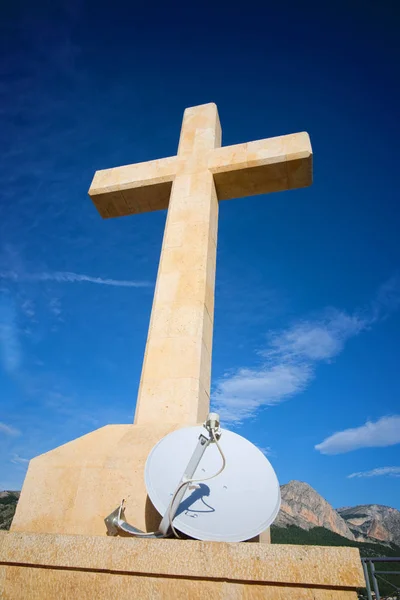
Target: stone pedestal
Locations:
point(58, 567)
point(71, 489)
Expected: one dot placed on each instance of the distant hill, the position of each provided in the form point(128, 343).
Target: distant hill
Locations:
point(303, 507)
point(8, 504)
point(307, 518)
point(320, 536)
point(373, 521)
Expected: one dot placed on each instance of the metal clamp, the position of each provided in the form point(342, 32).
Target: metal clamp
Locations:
point(115, 522)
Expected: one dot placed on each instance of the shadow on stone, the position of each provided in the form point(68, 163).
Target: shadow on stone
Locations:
point(152, 517)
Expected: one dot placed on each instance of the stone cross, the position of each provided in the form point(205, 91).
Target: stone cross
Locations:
point(175, 381)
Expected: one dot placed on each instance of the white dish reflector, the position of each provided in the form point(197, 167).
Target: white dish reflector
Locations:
point(237, 505)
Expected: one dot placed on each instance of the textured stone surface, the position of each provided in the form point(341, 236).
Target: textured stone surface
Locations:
point(176, 374)
point(72, 488)
point(54, 566)
point(260, 167)
point(37, 584)
point(304, 507)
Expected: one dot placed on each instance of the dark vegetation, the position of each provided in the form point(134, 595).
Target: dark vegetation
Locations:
point(8, 504)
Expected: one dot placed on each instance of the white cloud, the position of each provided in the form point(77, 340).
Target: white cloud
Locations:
point(68, 277)
point(18, 460)
point(239, 396)
point(384, 432)
point(27, 308)
point(8, 429)
point(381, 471)
point(290, 360)
point(317, 340)
point(388, 296)
point(266, 450)
point(55, 307)
point(289, 364)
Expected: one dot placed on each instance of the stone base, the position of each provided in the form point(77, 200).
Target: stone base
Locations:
point(71, 489)
point(58, 567)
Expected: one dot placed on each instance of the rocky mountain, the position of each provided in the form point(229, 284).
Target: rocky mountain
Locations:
point(303, 507)
point(373, 521)
point(8, 504)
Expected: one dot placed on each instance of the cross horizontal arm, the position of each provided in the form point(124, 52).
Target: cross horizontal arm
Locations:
point(260, 167)
point(142, 187)
point(264, 166)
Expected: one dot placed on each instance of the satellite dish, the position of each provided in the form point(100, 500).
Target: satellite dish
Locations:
point(237, 505)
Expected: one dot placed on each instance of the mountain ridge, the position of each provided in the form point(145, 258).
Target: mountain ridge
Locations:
point(302, 506)
point(373, 521)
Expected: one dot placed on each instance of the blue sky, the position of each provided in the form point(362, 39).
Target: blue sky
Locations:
point(307, 321)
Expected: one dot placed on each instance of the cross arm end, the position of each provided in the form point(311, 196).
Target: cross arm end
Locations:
point(262, 166)
point(132, 189)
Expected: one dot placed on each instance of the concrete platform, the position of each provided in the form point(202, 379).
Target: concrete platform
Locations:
point(50, 566)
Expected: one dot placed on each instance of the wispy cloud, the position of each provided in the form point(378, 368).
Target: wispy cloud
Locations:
point(316, 340)
point(55, 307)
point(18, 460)
point(69, 277)
point(238, 397)
point(8, 429)
point(288, 364)
point(27, 308)
point(381, 471)
point(384, 432)
point(10, 350)
point(266, 450)
point(388, 296)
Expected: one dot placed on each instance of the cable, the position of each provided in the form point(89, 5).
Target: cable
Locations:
point(121, 524)
point(190, 481)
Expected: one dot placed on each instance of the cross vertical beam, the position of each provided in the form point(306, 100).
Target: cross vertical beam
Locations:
point(176, 375)
point(175, 381)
